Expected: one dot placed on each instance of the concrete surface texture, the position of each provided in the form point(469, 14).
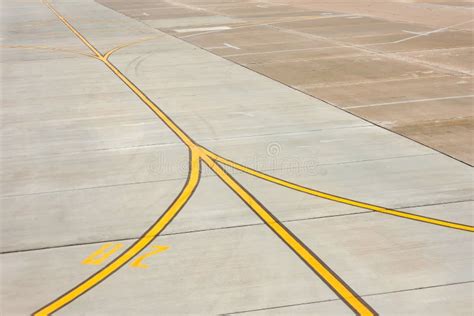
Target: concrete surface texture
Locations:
point(404, 65)
point(177, 158)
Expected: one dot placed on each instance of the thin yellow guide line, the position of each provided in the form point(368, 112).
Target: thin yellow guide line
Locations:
point(338, 199)
point(54, 49)
point(178, 131)
point(71, 28)
point(113, 50)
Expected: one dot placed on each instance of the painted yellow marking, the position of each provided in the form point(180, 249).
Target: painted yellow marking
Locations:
point(138, 262)
point(328, 276)
point(133, 250)
point(179, 132)
point(71, 28)
point(338, 199)
point(39, 47)
point(199, 153)
point(113, 50)
point(102, 254)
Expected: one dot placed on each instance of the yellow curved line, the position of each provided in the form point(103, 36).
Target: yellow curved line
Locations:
point(338, 199)
point(115, 49)
point(49, 48)
point(317, 265)
point(145, 99)
point(135, 248)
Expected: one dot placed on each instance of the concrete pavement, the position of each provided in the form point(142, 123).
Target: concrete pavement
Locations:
point(403, 65)
point(87, 165)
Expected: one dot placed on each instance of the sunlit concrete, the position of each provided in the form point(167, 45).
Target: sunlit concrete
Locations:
point(85, 163)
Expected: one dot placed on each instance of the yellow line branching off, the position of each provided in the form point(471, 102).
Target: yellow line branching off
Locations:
point(339, 199)
point(115, 49)
point(316, 264)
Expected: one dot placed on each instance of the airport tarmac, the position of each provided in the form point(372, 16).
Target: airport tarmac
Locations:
point(202, 157)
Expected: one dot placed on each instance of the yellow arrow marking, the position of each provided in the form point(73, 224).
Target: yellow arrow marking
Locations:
point(101, 254)
point(138, 262)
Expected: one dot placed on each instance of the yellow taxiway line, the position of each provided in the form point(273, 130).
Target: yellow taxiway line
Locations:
point(336, 198)
point(179, 132)
point(113, 50)
point(54, 49)
point(136, 247)
point(355, 302)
